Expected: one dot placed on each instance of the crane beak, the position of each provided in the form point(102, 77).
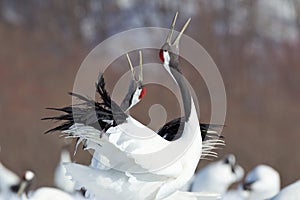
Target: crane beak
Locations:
point(176, 42)
point(141, 67)
point(140, 78)
point(131, 67)
point(169, 37)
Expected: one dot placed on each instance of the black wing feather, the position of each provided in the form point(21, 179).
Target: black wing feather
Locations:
point(173, 129)
point(90, 112)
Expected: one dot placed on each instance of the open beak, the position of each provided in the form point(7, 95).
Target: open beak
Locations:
point(140, 77)
point(169, 37)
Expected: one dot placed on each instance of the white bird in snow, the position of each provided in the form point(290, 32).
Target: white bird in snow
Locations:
point(262, 182)
point(62, 181)
point(44, 193)
point(7, 180)
point(216, 177)
point(290, 192)
point(20, 188)
point(139, 177)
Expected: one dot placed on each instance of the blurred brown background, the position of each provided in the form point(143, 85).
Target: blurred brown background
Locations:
point(255, 44)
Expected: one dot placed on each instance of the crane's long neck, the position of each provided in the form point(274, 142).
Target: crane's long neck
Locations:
point(125, 105)
point(185, 94)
